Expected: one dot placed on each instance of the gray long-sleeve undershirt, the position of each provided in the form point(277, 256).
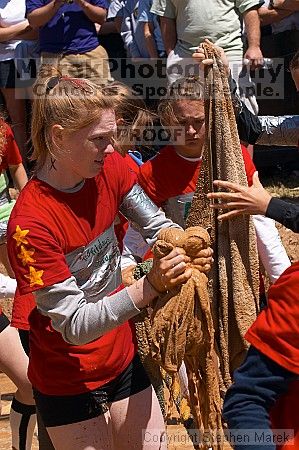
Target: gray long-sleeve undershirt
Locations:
point(144, 215)
point(80, 322)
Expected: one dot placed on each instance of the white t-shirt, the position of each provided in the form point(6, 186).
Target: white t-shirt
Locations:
point(12, 12)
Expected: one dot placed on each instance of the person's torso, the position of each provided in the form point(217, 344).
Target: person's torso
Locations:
point(217, 20)
point(70, 31)
point(12, 12)
point(82, 225)
point(171, 183)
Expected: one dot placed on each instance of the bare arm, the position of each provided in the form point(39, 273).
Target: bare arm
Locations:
point(95, 13)
point(30, 34)
point(148, 31)
point(252, 24)
point(43, 15)
point(14, 31)
point(168, 31)
point(19, 176)
point(269, 15)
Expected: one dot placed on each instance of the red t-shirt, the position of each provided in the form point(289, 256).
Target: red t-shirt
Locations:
point(275, 333)
point(10, 154)
point(276, 330)
point(168, 175)
point(50, 236)
point(170, 181)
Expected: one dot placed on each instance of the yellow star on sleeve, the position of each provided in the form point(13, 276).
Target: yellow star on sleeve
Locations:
point(26, 255)
point(35, 277)
point(19, 236)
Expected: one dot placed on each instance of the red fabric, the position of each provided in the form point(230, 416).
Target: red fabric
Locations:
point(284, 416)
point(21, 309)
point(276, 330)
point(131, 164)
point(10, 154)
point(44, 226)
point(275, 333)
point(120, 228)
point(168, 174)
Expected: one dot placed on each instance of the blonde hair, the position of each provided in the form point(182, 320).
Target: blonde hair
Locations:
point(188, 88)
point(72, 102)
point(132, 110)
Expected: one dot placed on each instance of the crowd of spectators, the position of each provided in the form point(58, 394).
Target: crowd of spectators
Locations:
point(97, 39)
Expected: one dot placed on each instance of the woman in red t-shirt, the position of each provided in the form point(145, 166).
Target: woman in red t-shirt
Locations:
point(89, 385)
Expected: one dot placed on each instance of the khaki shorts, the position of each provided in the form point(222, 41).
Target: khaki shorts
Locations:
point(91, 65)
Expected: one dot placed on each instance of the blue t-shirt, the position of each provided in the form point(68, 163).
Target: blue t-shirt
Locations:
point(70, 30)
point(145, 15)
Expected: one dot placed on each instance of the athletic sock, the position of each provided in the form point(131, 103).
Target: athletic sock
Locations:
point(22, 422)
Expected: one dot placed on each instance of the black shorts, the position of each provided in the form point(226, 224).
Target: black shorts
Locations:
point(4, 322)
point(64, 410)
point(24, 336)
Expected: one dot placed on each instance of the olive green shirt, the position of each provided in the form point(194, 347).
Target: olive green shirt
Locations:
point(218, 20)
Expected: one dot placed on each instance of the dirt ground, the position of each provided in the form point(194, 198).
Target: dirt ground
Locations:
point(176, 433)
point(290, 241)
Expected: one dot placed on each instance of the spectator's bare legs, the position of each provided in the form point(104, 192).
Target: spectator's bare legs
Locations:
point(14, 363)
point(17, 112)
point(127, 425)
